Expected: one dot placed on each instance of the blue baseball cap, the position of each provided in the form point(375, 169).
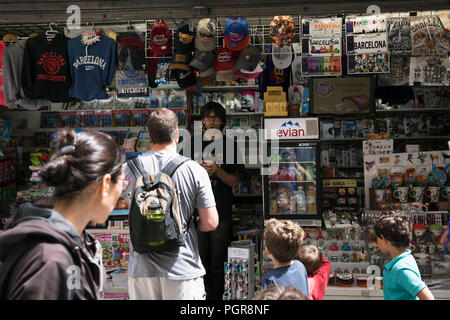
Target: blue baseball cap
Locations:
point(236, 34)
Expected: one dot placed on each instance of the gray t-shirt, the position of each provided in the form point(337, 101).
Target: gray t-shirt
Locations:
point(194, 186)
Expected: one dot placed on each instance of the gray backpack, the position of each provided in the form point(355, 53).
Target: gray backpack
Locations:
point(154, 215)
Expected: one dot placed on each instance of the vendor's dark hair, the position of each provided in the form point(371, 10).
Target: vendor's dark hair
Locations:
point(78, 159)
point(218, 109)
point(395, 226)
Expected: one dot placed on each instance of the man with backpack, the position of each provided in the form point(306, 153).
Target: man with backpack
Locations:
point(165, 190)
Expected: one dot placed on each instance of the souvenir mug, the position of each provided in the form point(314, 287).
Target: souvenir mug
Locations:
point(404, 206)
point(419, 205)
point(417, 193)
point(445, 192)
point(401, 193)
point(433, 193)
point(380, 195)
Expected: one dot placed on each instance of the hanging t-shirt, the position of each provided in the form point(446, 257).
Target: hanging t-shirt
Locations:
point(273, 76)
point(130, 51)
point(92, 67)
point(45, 71)
point(2, 48)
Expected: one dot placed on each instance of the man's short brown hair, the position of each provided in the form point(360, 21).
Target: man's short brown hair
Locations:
point(162, 126)
point(282, 238)
point(311, 257)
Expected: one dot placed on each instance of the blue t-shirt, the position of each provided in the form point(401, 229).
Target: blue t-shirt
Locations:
point(293, 275)
point(401, 278)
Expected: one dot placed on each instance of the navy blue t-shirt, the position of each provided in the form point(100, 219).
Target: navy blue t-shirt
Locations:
point(293, 275)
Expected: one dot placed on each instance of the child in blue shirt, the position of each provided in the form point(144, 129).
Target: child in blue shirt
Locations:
point(282, 240)
point(401, 276)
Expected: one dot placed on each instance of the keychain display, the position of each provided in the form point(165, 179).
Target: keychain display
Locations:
point(239, 274)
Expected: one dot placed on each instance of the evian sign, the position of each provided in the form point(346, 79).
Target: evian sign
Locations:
point(291, 128)
point(324, 88)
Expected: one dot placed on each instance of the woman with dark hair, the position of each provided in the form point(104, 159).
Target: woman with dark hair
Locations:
point(46, 252)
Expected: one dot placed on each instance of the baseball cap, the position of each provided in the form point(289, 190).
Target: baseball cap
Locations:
point(282, 31)
point(282, 56)
point(205, 38)
point(205, 78)
point(160, 38)
point(184, 38)
point(249, 58)
point(224, 65)
point(245, 74)
point(180, 61)
point(185, 78)
point(236, 34)
point(202, 60)
point(224, 60)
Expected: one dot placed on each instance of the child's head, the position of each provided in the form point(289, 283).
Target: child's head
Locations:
point(311, 257)
point(277, 292)
point(282, 238)
point(395, 227)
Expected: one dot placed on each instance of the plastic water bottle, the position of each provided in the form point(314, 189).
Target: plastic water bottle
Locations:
point(300, 199)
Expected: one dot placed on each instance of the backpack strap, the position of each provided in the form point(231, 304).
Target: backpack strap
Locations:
point(173, 165)
point(138, 170)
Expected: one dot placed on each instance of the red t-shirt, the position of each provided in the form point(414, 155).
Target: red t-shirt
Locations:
point(317, 284)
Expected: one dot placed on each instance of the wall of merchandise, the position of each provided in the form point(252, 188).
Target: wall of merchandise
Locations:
point(367, 77)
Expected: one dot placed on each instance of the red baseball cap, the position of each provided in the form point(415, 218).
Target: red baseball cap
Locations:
point(237, 34)
point(225, 60)
point(160, 38)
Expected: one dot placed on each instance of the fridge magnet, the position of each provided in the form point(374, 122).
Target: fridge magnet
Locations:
point(368, 63)
point(321, 66)
point(365, 24)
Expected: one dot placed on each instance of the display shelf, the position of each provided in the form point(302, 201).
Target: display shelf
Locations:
point(250, 113)
point(422, 138)
point(93, 230)
point(118, 213)
point(273, 162)
point(413, 110)
point(247, 195)
point(229, 88)
point(344, 167)
point(342, 139)
point(275, 181)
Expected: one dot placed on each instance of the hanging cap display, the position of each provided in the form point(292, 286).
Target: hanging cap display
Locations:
point(202, 61)
point(282, 56)
point(249, 58)
point(236, 34)
point(180, 61)
point(205, 38)
point(282, 31)
point(185, 78)
point(160, 38)
point(184, 38)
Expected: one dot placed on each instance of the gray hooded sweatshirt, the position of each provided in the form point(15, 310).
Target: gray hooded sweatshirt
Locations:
point(59, 265)
point(12, 74)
